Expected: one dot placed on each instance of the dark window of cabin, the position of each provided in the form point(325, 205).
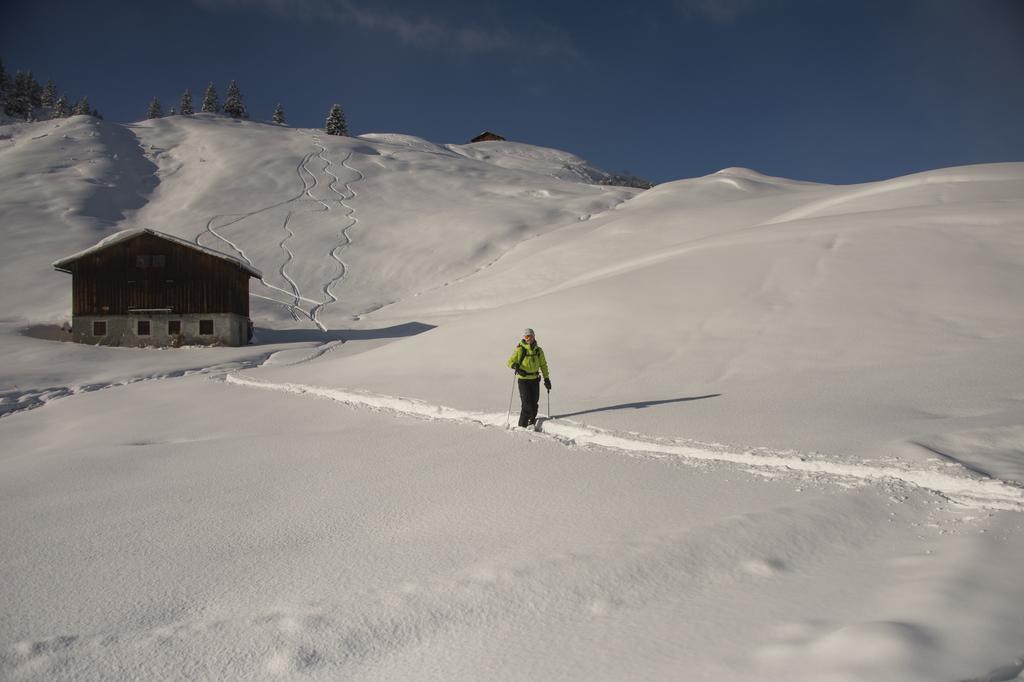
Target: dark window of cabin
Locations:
point(99, 328)
point(143, 327)
point(146, 261)
point(174, 326)
point(206, 327)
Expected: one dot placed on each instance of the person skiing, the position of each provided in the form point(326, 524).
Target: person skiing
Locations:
point(529, 363)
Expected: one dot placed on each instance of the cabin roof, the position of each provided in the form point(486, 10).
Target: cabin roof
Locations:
point(485, 134)
point(124, 235)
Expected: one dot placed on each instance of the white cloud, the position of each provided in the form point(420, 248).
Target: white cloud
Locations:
point(416, 30)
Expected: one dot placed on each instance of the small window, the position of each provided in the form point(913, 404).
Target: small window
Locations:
point(99, 328)
point(149, 261)
point(143, 327)
point(206, 327)
point(174, 327)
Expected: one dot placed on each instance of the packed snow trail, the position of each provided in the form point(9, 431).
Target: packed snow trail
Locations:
point(969, 490)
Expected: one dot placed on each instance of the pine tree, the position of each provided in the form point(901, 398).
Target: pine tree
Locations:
point(278, 117)
point(186, 103)
point(155, 110)
point(8, 103)
point(35, 92)
point(95, 113)
point(82, 108)
point(210, 103)
point(50, 94)
point(60, 108)
point(18, 100)
point(4, 81)
point(233, 106)
point(335, 124)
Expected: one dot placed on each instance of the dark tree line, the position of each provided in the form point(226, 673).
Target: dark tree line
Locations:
point(233, 104)
point(235, 107)
point(23, 98)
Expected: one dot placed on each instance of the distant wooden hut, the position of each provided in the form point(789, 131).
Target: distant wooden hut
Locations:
point(146, 288)
point(487, 136)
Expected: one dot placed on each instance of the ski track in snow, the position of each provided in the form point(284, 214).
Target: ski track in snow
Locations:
point(296, 295)
point(963, 487)
point(349, 194)
point(18, 400)
point(308, 191)
point(239, 217)
point(289, 256)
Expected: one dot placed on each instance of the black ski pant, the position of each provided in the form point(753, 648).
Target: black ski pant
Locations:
point(529, 394)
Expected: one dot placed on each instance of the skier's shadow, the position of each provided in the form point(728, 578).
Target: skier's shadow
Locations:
point(636, 406)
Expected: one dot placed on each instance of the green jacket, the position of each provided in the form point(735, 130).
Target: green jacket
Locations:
point(531, 360)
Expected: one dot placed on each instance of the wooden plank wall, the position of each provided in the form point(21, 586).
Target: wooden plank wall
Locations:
point(110, 281)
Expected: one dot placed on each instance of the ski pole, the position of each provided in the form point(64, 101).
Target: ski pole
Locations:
point(549, 403)
point(510, 399)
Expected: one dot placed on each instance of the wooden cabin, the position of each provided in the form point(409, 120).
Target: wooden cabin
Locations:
point(487, 136)
point(146, 288)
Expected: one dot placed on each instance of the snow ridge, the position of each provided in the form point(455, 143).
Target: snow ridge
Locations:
point(969, 489)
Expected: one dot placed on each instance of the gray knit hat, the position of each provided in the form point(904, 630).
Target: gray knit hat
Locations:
point(528, 332)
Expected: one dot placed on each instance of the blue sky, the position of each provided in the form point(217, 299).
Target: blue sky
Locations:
point(818, 90)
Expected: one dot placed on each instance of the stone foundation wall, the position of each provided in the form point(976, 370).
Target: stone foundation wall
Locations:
point(228, 329)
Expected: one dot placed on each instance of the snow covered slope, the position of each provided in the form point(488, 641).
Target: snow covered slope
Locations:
point(286, 200)
point(527, 157)
point(818, 320)
point(341, 226)
point(63, 186)
point(786, 436)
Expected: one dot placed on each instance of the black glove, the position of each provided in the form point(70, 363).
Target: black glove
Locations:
point(547, 383)
point(515, 367)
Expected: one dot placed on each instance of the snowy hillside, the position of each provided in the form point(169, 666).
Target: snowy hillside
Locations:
point(518, 156)
point(886, 320)
point(785, 436)
point(283, 199)
point(63, 185)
